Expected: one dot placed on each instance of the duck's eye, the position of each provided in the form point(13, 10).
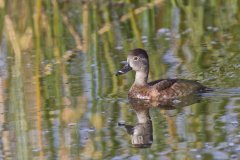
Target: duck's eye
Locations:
point(135, 58)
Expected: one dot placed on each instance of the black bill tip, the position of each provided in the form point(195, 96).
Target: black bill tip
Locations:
point(119, 73)
point(124, 70)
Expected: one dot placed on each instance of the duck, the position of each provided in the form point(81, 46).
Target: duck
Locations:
point(162, 89)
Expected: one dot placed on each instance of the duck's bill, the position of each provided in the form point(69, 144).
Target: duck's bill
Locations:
point(124, 70)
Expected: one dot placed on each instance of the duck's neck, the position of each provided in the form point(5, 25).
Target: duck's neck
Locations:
point(141, 78)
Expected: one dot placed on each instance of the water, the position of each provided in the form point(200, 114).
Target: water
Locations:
point(60, 98)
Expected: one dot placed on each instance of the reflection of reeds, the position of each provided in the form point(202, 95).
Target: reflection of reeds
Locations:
point(2, 11)
point(73, 32)
point(41, 35)
point(16, 93)
point(14, 43)
point(85, 22)
point(37, 42)
point(129, 15)
point(195, 22)
point(135, 26)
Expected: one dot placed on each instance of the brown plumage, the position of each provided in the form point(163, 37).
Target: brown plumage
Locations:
point(156, 90)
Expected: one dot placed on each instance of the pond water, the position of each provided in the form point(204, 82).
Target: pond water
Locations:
point(60, 98)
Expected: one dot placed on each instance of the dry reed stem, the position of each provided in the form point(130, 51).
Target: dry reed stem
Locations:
point(74, 34)
point(127, 16)
point(14, 42)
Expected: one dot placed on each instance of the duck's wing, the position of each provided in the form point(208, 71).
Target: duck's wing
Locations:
point(163, 84)
point(179, 86)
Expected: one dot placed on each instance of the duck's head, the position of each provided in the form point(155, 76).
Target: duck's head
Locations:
point(137, 60)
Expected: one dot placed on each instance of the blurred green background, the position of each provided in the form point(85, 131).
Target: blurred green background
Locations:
point(60, 99)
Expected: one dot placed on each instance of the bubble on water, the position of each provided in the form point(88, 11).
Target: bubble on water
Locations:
point(168, 34)
point(144, 40)
point(208, 146)
point(72, 124)
point(163, 30)
point(144, 37)
point(36, 149)
point(198, 156)
point(231, 144)
point(237, 149)
point(209, 27)
point(213, 42)
point(234, 156)
point(236, 65)
point(177, 36)
point(167, 39)
point(165, 152)
point(193, 150)
point(109, 120)
point(118, 47)
point(187, 31)
point(215, 29)
point(235, 123)
point(222, 146)
point(237, 136)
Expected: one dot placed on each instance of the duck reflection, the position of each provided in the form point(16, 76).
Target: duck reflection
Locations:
point(142, 132)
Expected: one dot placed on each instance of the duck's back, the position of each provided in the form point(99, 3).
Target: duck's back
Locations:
point(171, 88)
point(166, 89)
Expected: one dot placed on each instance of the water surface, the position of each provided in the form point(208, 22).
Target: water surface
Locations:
point(60, 99)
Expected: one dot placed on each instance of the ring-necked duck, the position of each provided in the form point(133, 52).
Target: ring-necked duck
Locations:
point(161, 89)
